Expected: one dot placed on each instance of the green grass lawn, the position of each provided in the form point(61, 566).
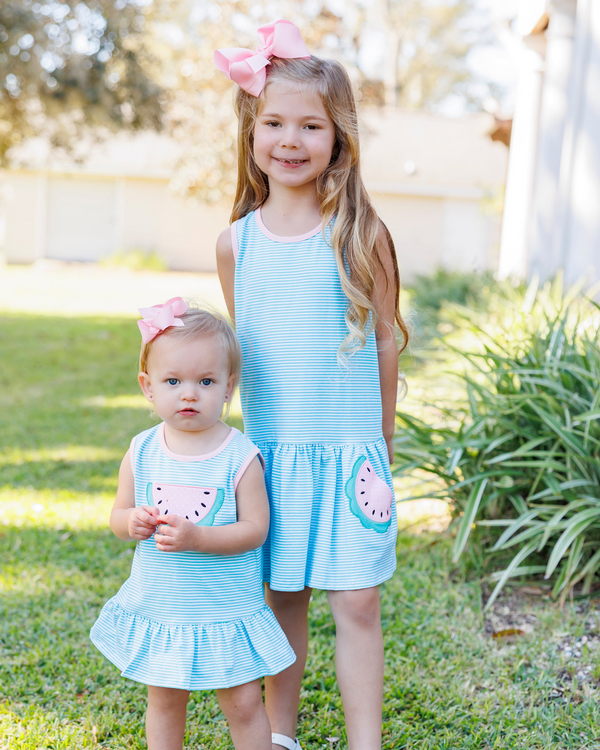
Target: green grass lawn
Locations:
point(69, 407)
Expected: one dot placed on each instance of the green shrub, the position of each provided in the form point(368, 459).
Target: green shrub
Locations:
point(429, 294)
point(522, 451)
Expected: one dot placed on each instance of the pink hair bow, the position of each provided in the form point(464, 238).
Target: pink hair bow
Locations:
point(157, 319)
point(247, 68)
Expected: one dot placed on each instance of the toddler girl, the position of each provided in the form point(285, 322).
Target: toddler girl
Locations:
point(192, 614)
point(310, 274)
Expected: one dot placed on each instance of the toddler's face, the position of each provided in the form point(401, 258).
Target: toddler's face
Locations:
point(293, 136)
point(188, 382)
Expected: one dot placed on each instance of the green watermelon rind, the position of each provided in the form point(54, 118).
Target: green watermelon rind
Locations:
point(209, 518)
point(355, 507)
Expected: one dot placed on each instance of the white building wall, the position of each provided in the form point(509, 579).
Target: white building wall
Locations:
point(516, 223)
point(466, 237)
point(434, 232)
point(143, 203)
point(416, 225)
point(119, 199)
point(552, 121)
point(24, 208)
point(81, 216)
point(559, 228)
point(187, 235)
point(579, 232)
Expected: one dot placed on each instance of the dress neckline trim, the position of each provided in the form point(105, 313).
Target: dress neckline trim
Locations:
point(178, 457)
point(278, 238)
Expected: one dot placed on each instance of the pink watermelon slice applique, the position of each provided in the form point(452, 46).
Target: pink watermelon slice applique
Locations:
point(370, 497)
point(198, 504)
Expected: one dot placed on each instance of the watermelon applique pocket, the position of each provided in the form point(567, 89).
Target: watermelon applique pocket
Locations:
point(370, 497)
point(198, 504)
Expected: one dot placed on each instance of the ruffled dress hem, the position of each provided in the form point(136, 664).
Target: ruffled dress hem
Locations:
point(203, 656)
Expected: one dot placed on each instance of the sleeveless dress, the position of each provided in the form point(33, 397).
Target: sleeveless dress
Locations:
point(191, 620)
point(317, 424)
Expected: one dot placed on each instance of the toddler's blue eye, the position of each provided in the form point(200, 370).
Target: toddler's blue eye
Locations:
point(172, 381)
point(206, 381)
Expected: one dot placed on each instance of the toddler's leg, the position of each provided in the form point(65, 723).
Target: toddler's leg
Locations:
point(282, 691)
point(165, 718)
point(359, 664)
point(248, 722)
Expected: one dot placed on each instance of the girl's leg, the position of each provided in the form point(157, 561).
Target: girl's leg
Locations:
point(282, 691)
point(165, 718)
point(244, 710)
point(359, 664)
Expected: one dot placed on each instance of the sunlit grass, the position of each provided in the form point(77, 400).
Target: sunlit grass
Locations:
point(117, 402)
point(57, 509)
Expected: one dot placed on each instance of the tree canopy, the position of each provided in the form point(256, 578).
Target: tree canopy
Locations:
point(69, 67)
point(66, 68)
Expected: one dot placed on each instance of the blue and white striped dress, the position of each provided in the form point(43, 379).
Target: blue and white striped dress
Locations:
point(315, 423)
point(192, 620)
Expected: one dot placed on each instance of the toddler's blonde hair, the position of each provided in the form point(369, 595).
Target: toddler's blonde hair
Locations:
point(356, 234)
point(199, 323)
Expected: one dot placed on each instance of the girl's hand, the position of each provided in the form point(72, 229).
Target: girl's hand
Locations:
point(142, 521)
point(176, 534)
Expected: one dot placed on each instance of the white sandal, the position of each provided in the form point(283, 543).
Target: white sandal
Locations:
point(287, 742)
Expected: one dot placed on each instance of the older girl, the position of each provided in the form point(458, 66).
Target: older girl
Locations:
point(310, 274)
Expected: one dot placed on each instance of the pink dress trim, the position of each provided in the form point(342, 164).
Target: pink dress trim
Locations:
point(278, 238)
point(249, 458)
point(178, 457)
point(234, 242)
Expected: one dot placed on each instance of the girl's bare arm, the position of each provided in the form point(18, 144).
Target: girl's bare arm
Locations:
point(126, 521)
point(248, 532)
point(226, 269)
point(384, 300)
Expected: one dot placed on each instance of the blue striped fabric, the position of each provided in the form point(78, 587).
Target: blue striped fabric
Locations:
point(311, 419)
point(191, 620)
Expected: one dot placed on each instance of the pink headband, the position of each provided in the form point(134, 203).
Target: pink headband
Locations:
point(160, 317)
point(247, 68)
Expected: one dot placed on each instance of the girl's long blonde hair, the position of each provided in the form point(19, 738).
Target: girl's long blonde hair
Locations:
point(356, 232)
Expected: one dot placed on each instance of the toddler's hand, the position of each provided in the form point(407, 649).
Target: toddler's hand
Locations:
point(142, 522)
point(176, 534)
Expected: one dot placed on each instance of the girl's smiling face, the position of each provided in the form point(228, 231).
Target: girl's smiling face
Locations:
point(188, 381)
point(293, 136)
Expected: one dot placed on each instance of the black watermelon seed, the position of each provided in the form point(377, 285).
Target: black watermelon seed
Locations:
point(196, 512)
point(206, 492)
point(159, 502)
point(158, 488)
point(187, 518)
point(202, 504)
point(373, 513)
point(166, 511)
point(369, 470)
point(381, 514)
point(366, 503)
point(363, 480)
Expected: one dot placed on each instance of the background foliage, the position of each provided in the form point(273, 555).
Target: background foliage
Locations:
point(75, 70)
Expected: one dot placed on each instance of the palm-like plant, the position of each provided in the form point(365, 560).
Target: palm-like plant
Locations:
point(523, 450)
